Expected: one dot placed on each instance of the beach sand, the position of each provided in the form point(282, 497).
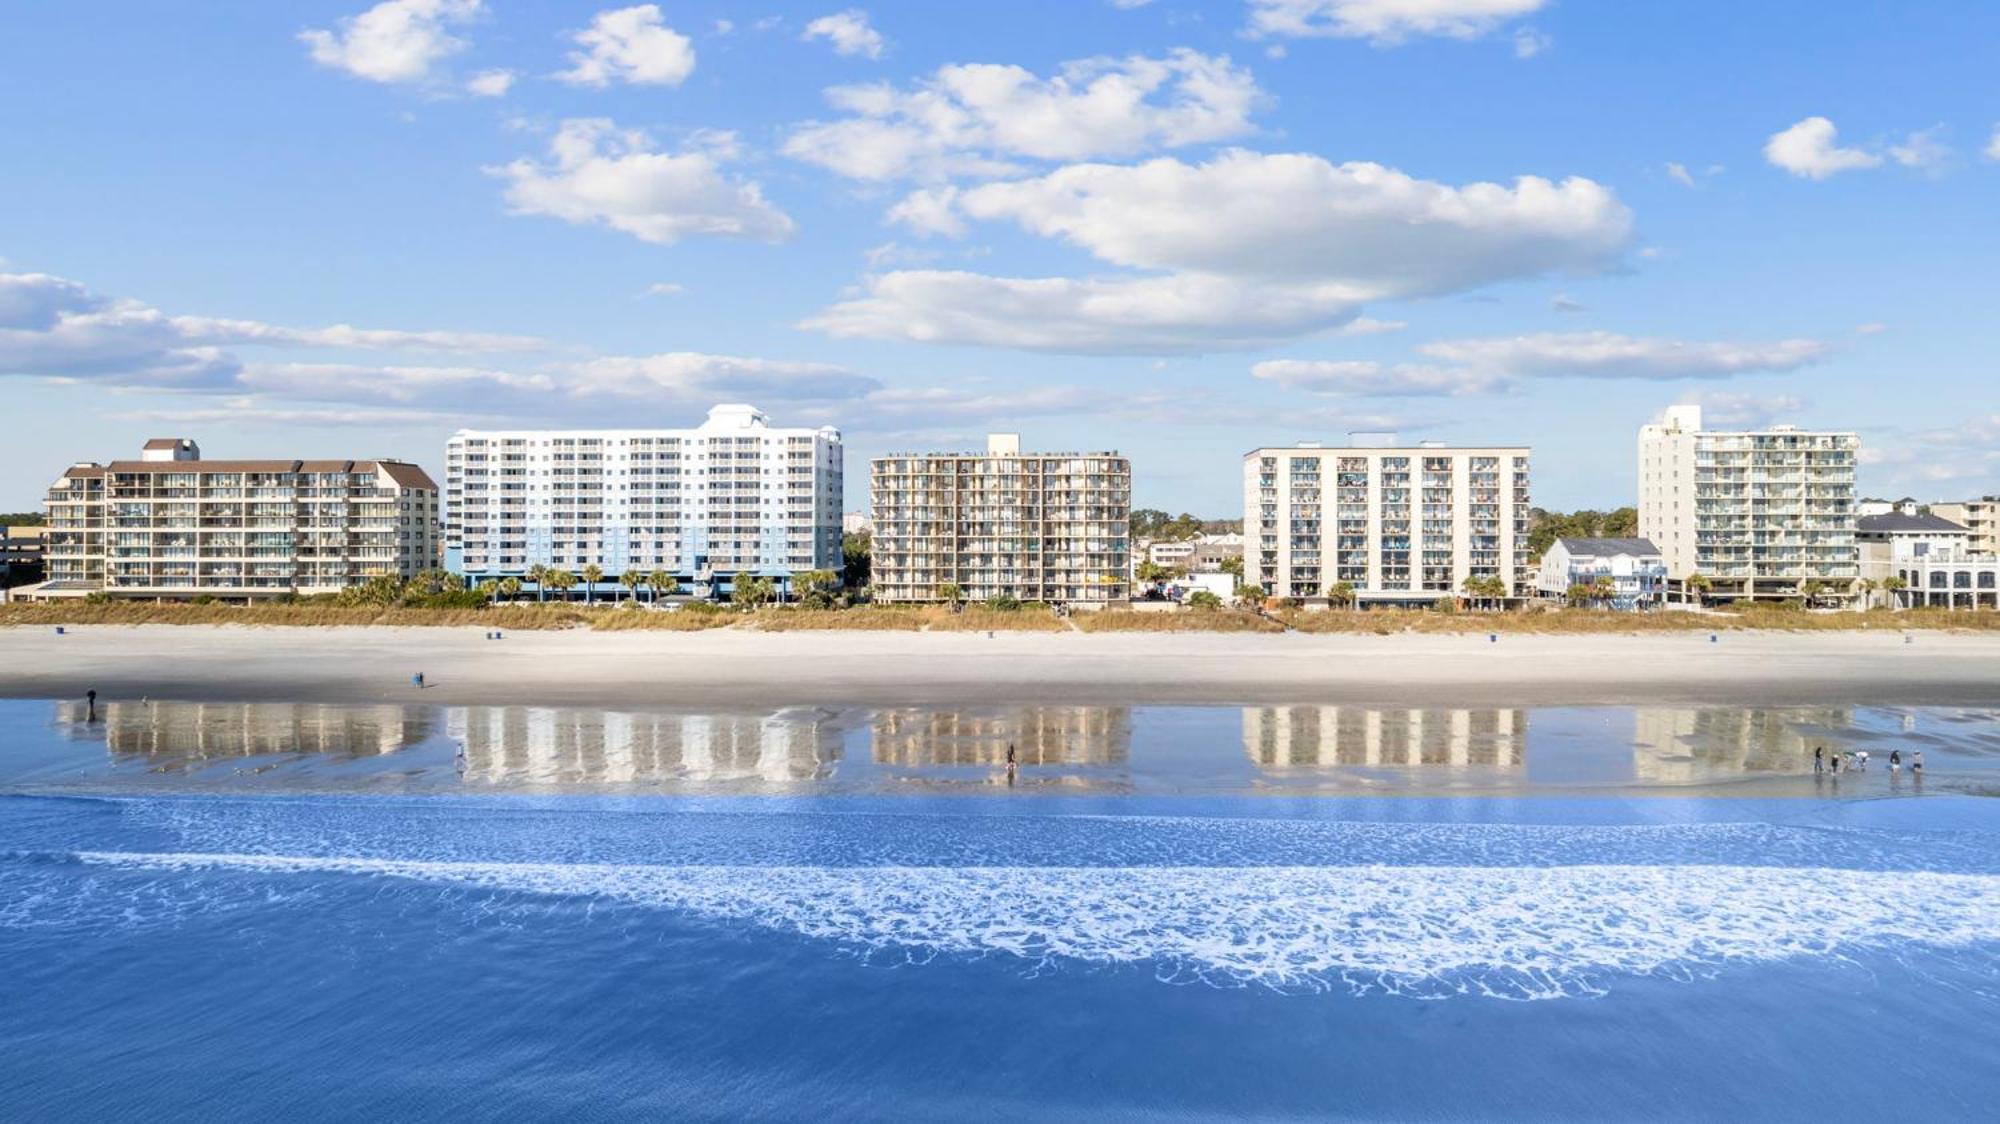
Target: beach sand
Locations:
point(731, 670)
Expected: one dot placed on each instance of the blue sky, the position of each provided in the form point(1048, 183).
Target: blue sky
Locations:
point(1178, 229)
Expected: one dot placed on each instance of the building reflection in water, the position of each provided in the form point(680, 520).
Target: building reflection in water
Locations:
point(1679, 745)
point(1040, 735)
point(1279, 737)
point(551, 745)
point(186, 735)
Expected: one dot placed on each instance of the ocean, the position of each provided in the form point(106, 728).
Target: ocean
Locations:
point(329, 913)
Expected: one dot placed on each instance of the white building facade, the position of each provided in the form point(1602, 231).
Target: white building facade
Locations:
point(1936, 562)
point(733, 495)
point(1637, 572)
point(1758, 512)
point(1401, 525)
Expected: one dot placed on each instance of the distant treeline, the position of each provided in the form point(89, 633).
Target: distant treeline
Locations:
point(21, 518)
point(1545, 527)
point(1152, 523)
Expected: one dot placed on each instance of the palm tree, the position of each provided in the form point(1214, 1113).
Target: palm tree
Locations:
point(1865, 588)
point(1892, 585)
point(1699, 585)
point(562, 581)
point(510, 588)
point(1810, 590)
point(1604, 589)
point(539, 574)
point(592, 574)
point(950, 592)
point(631, 580)
point(661, 581)
point(1341, 594)
point(490, 589)
point(1578, 595)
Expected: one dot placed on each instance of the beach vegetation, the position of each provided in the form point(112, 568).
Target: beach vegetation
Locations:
point(1204, 600)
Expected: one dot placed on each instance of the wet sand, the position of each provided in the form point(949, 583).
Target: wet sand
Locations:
point(730, 669)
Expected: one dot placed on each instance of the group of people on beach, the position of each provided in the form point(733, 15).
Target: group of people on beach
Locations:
point(1824, 762)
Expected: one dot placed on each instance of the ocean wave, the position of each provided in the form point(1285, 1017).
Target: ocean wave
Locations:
point(1508, 932)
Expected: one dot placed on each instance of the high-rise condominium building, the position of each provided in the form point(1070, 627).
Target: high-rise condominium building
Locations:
point(733, 495)
point(1758, 512)
point(173, 525)
point(1401, 525)
point(1050, 527)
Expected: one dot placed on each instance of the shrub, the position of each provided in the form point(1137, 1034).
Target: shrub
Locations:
point(1003, 603)
point(1203, 599)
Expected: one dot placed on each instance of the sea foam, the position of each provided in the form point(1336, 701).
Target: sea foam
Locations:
point(1427, 931)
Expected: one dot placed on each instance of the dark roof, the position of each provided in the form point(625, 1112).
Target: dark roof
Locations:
point(1602, 548)
point(1897, 521)
point(408, 475)
point(158, 443)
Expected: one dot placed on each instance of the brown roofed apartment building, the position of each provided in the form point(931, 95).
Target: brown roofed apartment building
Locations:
point(172, 525)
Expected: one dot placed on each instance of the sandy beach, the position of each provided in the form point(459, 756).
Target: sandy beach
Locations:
point(717, 669)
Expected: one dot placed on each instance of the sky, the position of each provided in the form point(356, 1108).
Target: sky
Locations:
point(1179, 230)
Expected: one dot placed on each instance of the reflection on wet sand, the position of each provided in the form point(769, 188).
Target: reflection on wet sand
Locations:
point(1284, 737)
point(1682, 745)
point(1040, 735)
point(550, 745)
point(175, 736)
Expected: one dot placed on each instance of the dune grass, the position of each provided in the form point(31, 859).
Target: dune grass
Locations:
point(1191, 620)
point(909, 618)
point(1593, 621)
point(521, 618)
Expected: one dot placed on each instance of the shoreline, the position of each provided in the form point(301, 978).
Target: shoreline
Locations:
point(729, 669)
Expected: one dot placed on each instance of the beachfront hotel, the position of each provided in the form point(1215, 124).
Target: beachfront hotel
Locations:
point(732, 495)
point(172, 525)
point(1936, 562)
point(1053, 527)
point(1401, 525)
point(1757, 512)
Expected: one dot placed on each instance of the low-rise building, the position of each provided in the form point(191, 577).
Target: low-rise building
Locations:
point(21, 551)
point(1980, 516)
point(1635, 568)
point(1931, 558)
point(172, 525)
point(1052, 527)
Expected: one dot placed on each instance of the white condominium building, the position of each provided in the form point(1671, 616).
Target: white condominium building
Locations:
point(1401, 525)
point(1756, 511)
point(733, 495)
point(173, 525)
point(1052, 527)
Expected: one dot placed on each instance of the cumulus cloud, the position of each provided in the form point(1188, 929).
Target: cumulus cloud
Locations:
point(1371, 231)
point(665, 289)
point(1923, 150)
point(1237, 252)
point(53, 327)
point(1993, 145)
point(1609, 355)
point(599, 174)
point(849, 33)
point(1729, 410)
point(490, 83)
point(982, 119)
point(394, 41)
point(1175, 313)
point(631, 45)
point(1528, 43)
point(1367, 378)
point(1680, 175)
point(1385, 22)
point(1810, 149)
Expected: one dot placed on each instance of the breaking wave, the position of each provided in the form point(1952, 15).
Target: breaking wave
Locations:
point(1426, 931)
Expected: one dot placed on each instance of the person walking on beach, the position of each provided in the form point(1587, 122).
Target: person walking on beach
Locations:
point(90, 697)
point(1819, 759)
point(1917, 762)
point(1895, 760)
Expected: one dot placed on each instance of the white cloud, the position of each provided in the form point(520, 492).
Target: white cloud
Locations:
point(1241, 251)
point(1369, 326)
point(978, 119)
point(1528, 43)
point(56, 328)
point(1148, 315)
point(665, 289)
point(1128, 5)
point(1371, 232)
point(1872, 328)
point(1923, 150)
point(1728, 410)
point(394, 41)
point(630, 45)
point(1993, 145)
point(600, 174)
point(254, 411)
point(1385, 22)
point(929, 210)
point(490, 83)
point(1366, 378)
point(1608, 355)
point(1680, 175)
point(849, 33)
point(1563, 302)
point(1809, 149)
